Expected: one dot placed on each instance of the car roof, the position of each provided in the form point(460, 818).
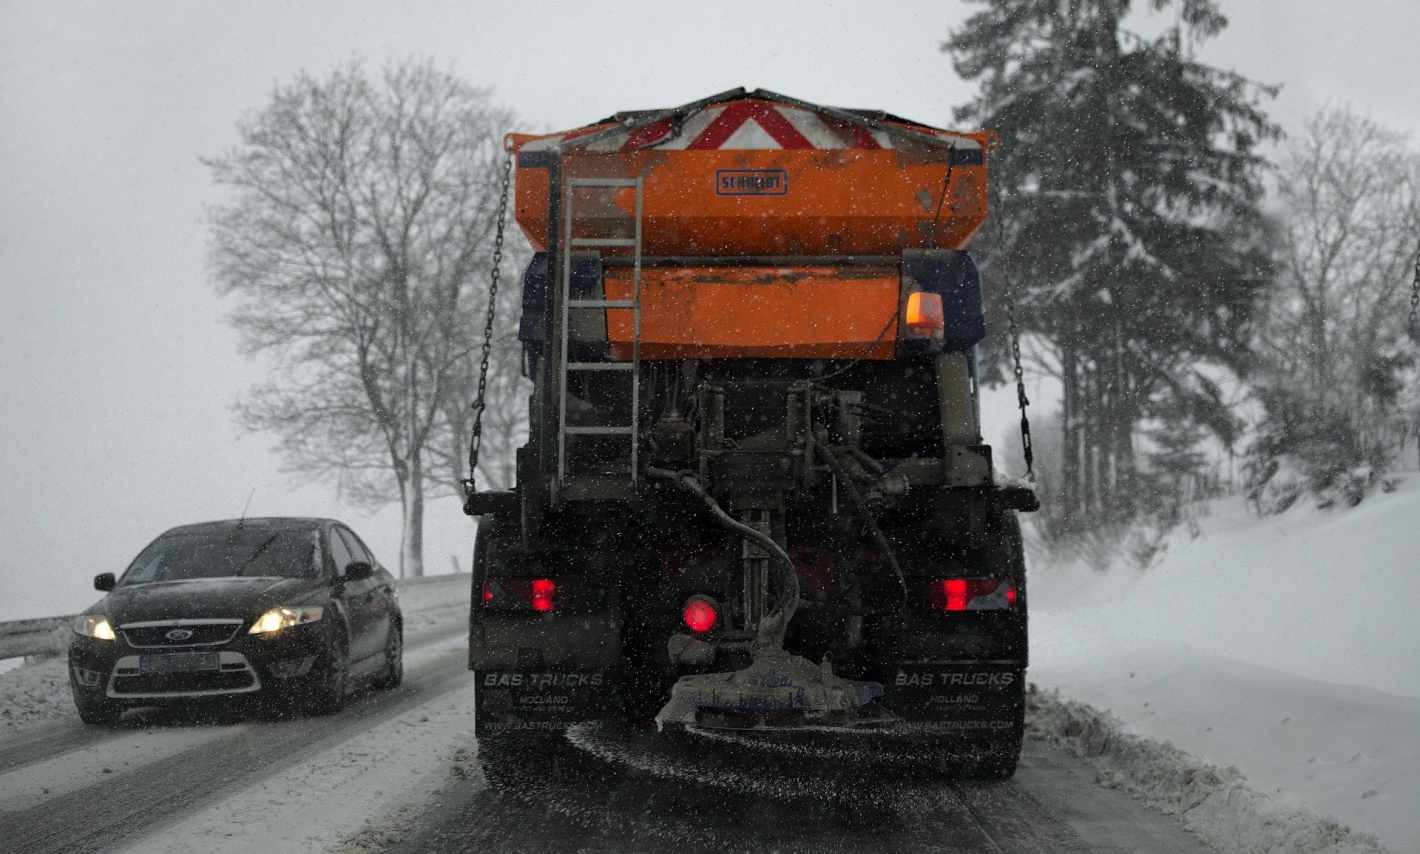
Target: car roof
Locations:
point(286, 523)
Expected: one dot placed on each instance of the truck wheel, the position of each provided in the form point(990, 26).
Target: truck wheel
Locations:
point(998, 761)
point(517, 761)
point(98, 712)
point(326, 690)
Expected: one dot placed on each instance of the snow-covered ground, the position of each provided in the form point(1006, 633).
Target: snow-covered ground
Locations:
point(34, 693)
point(357, 797)
point(1285, 647)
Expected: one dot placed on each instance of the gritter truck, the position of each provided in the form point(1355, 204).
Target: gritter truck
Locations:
point(754, 495)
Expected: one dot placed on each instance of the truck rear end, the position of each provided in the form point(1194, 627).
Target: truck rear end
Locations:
point(755, 494)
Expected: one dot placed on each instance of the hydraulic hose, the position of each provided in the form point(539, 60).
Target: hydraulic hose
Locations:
point(772, 627)
point(861, 507)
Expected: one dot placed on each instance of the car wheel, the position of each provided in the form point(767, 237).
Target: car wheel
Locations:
point(394, 660)
point(98, 712)
point(328, 686)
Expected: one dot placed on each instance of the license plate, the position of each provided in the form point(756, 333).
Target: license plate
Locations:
point(186, 662)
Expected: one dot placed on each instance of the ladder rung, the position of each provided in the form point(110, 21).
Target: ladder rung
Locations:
point(600, 366)
point(604, 241)
point(601, 303)
point(599, 431)
point(603, 182)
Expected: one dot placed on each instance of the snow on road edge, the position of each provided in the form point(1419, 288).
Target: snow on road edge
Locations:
point(1216, 804)
point(35, 693)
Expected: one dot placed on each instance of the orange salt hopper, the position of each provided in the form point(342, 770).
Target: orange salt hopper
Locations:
point(770, 227)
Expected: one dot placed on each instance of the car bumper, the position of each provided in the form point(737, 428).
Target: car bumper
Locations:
point(115, 671)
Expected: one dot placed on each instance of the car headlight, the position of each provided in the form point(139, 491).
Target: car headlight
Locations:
point(284, 618)
point(94, 627)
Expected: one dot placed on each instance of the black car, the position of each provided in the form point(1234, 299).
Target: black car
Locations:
point(290, 610)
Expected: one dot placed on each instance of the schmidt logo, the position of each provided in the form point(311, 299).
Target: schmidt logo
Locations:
point(751, 182)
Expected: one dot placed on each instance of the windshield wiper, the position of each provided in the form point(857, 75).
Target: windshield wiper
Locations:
point(256, 554)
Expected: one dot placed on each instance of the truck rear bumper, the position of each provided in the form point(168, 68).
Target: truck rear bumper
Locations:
point(541, 700)
point(965, 699)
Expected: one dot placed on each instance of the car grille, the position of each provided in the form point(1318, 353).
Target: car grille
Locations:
point(203, 634)
point(183, 683)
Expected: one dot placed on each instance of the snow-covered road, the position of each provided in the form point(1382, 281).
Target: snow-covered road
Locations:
point(400, 771)
point(64, 787)
point(614, 793)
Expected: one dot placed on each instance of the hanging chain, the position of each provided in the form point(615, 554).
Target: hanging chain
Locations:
point(1026, 447)
point(476, 440)
point(1415, 298)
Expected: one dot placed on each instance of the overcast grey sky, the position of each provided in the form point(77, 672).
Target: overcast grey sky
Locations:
point(117, 371)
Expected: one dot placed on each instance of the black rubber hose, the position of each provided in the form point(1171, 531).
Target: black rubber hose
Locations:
point(790, 603)
point(861, 507)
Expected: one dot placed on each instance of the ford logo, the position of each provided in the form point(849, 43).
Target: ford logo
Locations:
point(178, 634)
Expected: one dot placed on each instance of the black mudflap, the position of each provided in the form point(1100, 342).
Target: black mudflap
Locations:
point(542, 699)
point(959, 699)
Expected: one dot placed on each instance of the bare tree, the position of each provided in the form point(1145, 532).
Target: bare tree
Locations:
point(1338, 362)
point(358, 239)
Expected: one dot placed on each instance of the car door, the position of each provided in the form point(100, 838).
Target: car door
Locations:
point(367, 622)
point(350, 594)
point(385, 598)
point(380, 598)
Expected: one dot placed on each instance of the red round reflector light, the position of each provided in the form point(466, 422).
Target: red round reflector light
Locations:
point(700, 613)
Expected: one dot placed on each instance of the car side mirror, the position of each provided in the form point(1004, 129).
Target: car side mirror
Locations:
point(358, 571)
point(105, 581)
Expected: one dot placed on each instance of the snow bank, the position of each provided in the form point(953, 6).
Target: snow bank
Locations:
point(35, 692)
point(1216, 804)
point(1323, 594)
point(434, 601)
point(1281, 646)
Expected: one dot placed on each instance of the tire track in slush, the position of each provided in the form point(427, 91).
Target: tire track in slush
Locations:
point(124, 806)
point(635, 796)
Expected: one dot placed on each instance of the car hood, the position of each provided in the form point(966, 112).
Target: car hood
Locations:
point(207, 598)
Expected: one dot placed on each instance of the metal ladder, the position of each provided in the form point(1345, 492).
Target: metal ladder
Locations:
point(633, 368)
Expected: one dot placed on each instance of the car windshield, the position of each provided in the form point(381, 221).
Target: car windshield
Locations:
point(225, 554)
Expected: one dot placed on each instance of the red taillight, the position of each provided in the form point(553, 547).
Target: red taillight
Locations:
point(971, 594)
point(522, 594)
point(700, 613)
point(923, 316)
point(543, 590)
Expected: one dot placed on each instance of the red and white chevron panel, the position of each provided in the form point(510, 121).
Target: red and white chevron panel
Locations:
point(746, 123)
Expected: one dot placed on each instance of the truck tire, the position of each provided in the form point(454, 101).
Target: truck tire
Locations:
point(514, 762)
point(998, 761)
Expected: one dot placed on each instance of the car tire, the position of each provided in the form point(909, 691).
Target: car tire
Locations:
point(98, 712)
point(326, 691)
point(393, 673)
